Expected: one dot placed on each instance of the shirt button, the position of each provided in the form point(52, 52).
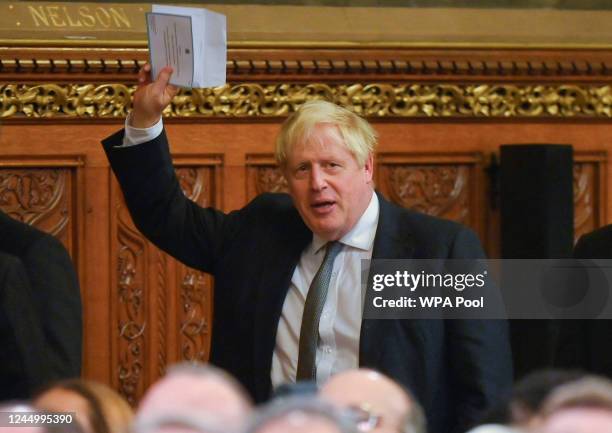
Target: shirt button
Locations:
point(328, 350)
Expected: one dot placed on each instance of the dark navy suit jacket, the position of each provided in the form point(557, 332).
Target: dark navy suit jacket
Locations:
point(455, 368)
point(585, 344)
point(50, 288)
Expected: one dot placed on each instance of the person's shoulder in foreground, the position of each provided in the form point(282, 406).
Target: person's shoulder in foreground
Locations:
point(596, 244)
point(55, 291)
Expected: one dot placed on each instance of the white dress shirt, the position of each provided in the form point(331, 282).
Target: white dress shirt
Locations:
point(340, 323)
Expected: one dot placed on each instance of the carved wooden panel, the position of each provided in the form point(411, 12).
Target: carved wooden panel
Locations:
point(131, 306)
point(42, 197)
point(589, 189)
point(263, 175)
point(162, 308)
point(195, 287)
point(433, 185)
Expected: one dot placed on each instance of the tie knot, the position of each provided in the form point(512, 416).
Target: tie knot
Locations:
point(333, 248)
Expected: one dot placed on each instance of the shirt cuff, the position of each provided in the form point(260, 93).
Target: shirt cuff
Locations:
point(134, 136)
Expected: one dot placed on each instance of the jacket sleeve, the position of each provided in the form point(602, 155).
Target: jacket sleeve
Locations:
point(479, 350)
point(194, 235)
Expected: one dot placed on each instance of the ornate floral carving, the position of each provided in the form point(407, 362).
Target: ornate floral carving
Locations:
point(131, 314)
point(59, 100)
point(369, 99)
point(435, 190)
point(269, 179)
point(585, 213)
point(193, 181)
point(162, 319)
point(37, 197)
point(195, 287)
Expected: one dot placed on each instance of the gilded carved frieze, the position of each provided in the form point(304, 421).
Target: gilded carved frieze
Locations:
point(372, 99)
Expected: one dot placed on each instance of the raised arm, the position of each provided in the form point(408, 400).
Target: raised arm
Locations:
point(193, 235)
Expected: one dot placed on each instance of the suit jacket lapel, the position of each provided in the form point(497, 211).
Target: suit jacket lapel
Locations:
point(393, 241)
point(282, 258)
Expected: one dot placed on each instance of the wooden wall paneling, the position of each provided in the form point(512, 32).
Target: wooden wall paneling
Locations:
point(129, 303)
point(263, 175)
point(590, 185)
point(43, 193)
point(161, 309)
point(201, 180)
point(446, 185)
point(143, 310)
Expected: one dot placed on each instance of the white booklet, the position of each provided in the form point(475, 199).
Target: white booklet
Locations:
point(191, 40)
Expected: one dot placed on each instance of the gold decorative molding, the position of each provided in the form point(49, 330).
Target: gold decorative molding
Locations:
point(372, 100)
point(327, 64)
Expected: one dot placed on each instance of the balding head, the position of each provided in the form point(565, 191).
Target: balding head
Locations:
point(193, 390)
point(379, 403)
point(300, 415)
point(582, 406)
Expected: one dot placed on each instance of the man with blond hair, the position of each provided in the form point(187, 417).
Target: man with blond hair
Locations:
point(288, 300)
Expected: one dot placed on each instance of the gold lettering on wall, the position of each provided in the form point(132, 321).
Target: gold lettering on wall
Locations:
point(120, 17)
point(84, 16)
point(88, 18)
point(38, 15)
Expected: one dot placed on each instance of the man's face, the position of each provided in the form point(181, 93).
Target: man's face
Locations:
point(328, 187)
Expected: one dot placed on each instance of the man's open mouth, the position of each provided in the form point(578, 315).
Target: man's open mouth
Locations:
point(323, 206)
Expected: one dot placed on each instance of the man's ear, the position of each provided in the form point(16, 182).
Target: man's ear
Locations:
point(369, 168)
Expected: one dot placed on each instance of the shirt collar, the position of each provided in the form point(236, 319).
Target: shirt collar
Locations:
point(361, 236)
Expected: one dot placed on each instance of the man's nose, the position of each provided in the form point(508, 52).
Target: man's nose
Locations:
point(317, 179)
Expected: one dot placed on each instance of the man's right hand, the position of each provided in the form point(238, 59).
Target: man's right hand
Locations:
point(151, 97)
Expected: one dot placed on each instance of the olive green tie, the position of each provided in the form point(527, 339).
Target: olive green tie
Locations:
point(315, 300)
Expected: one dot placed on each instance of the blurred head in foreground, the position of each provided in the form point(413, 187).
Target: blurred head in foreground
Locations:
point(197, 394)
point(377, 403)
point(98, 408)
point(582, 406)
point(300, 415)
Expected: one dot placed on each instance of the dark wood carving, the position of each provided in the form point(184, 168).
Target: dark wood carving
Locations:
point(441, 191)
point(131, 315)
point(162, 312)
point(195, 287)
point(589, 183)
point(270, 179)
point(42, 197)
point(139, 293)
point(263, 175)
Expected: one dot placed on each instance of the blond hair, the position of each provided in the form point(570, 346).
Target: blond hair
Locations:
point(357, 134)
